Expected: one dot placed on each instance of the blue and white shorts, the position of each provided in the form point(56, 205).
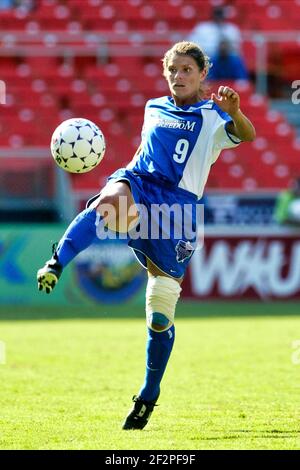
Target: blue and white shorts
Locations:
point(167, 237)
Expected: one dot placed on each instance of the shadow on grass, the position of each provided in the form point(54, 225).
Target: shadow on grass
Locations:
point(185, 309)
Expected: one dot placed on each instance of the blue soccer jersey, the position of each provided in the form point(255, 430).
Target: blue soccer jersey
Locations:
point(179, 144)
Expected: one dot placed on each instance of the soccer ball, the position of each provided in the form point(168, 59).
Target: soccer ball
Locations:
point(77, 145)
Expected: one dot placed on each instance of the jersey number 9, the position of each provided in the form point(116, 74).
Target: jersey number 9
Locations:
point(181, 150)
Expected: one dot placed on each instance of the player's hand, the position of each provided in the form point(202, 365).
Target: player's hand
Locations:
point(228, 100)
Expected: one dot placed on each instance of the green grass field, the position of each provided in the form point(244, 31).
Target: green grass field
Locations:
point(230, 384)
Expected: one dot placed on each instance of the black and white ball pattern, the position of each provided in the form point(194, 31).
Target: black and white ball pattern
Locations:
point(77, 145)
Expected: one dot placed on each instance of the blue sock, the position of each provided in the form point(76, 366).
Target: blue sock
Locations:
point(78, 236)
point(159, 347)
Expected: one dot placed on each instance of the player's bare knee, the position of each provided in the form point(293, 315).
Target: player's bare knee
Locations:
point(108, 208)
point(116, 206)
point(106, 199)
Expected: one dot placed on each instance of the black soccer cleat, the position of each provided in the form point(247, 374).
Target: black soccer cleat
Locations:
point(49, 275)
point(140, 413)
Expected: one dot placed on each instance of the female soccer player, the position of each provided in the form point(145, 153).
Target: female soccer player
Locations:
point(183, 135)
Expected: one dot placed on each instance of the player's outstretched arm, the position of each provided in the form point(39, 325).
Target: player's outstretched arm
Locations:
point(229, 101)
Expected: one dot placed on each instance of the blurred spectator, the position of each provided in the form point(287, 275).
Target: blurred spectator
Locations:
point(209, 34)
point(25, 5)
point(6, 4)
point(227, 64)
point(287, 209)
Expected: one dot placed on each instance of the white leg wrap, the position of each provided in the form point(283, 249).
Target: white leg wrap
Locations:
point(162, 294)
